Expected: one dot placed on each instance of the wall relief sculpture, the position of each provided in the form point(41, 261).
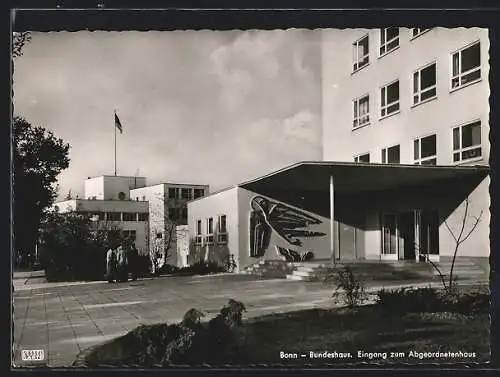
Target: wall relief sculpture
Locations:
point(268, 216)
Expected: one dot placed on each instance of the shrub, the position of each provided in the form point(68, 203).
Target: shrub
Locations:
point(352, 289)
point(473, 303)
point(188, 342)
point(202, 268)
point(168, 269)
point(71, 249)
point(433, 300)
point(143, 265)
point(410, 299)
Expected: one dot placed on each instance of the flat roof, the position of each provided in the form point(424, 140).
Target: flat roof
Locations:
point(213, 193)
point(352, 177)
point(116, 176)
point(191, 185)
point(101, 201)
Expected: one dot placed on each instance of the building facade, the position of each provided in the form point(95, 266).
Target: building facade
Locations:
point(410, 96)
point(128, 219)
point(167, 209)
point(147, 214)
point(405, 120)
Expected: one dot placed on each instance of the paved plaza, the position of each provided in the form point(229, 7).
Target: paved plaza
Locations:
point(64, 319)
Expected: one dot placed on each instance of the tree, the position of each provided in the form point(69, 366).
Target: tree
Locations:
point(19, 40)
point(38, 158)
point(459, 238)
point(165, 215)
point(74, 245)
point(161, 248)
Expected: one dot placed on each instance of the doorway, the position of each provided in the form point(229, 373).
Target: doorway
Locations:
point(406, 222)
point(428, 244)
point(410, 235)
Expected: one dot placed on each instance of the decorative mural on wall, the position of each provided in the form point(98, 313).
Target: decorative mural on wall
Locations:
point(268, 216)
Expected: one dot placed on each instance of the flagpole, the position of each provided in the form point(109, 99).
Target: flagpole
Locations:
point(114, 126)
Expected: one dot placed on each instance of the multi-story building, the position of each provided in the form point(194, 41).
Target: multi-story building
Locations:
point(167, 209)
point(108, 203)
point(147, 214)
point(410, 96)
point(405, 151)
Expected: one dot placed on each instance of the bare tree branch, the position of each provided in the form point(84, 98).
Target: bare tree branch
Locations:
point(477, 220)
point(450, 230)
point(427, 258)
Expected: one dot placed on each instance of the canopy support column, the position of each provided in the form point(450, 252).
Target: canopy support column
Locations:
point(332, 221)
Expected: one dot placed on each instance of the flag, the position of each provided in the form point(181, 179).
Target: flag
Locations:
point(118, 123)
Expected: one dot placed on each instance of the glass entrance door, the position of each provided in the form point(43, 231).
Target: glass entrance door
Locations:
point(427, 234)
point(390, 244)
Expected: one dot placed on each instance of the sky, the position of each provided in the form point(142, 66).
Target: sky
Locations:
point(203, 107)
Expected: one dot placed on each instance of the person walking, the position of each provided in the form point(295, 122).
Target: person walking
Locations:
point(133, 259)
point(111, 264)
point(122, 263)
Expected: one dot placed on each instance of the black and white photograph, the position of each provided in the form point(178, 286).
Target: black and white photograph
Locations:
point(236, 198)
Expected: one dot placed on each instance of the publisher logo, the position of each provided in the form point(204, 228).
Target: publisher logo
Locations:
point(32, 355)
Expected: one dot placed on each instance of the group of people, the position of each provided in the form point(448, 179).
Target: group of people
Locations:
point(121, 260)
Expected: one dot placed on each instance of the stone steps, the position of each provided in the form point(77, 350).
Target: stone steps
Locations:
point(365, 270)
point(269, 269)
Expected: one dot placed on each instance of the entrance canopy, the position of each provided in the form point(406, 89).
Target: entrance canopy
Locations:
point(352, 177)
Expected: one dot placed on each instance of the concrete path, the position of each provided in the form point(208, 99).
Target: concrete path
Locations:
point(64, 319)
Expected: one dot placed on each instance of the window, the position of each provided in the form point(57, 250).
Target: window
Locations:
point(389, 39)
point(129, 216)
point(389, 99)
point(114, 216)
point(210, 225)
point(467, 142)
point(389, 235)
point(184, 213)
point(390, 155)
point(159, 235)
point(424, 83)
point(131, 234)
point(222, 230)
point(425, 150)
point(143, 216)
point(173, 214)
point(466, 66)
point(360, 53)
point(186, 193)
point(198, 238)
point(361, 111)
point(198, 193)
point(362, 158)
point(172, 193)
point(209, 238)
point(417, 31)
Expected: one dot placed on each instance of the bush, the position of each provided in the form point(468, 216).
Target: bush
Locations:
point(86, 262)
point(202, 268)
point(70, 250)
point(433, 300)
point(143, 265)
point(189, 342)
point(168, 269)
point(409, 299)
point(352, 289)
